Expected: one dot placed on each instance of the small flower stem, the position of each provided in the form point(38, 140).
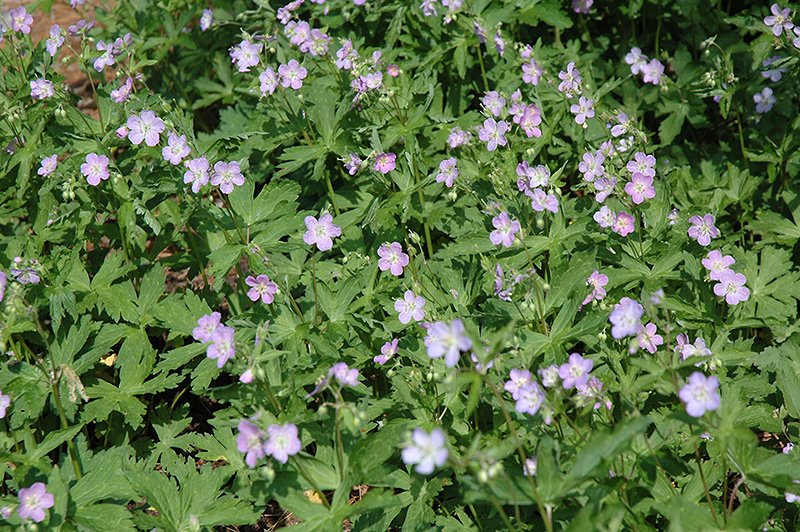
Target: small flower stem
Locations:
point(297, 118)
point(397, 110)
point(196, 253)
point(310, 479)
point(331, 194)
point(705, 485)
point(339, 446)
point(640, 223)
point(316, 300)
point(227, 203)
point(483, 69)
point(536, 288)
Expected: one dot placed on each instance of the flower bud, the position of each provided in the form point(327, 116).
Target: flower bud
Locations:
point(540, 223)
point(602, 336)
point(322, 410)
point(267, 473)
point(414, 237)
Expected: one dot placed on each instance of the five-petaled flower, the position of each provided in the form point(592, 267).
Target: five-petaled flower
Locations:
point(448, 341)
point(779, 20)
point(385, 163)
point(700, 394)
point(95, 168)
point(648, 339)
point(392, 258)
point(176, 148)
point(448, 172)
point(640, 187)
point(410, 307)
point(623, 224)
point(251, 441)
point(261, 288)
point(226, 175)
point(493, 133)
point(145, 126)
point(196, 173)
point(48, 165)
point(222, 347)
point(596, 281)
point(625, 318)
point(703, 229)
point(321, 232)
point(41, 89)
point(716, 263)
point(292, 74)
point(731, 286)
point(33, 501)
point(542, 201)
point(205, 326)
point(575, 372)
point(388, 350)
point(283, 442)
point(504, 231)
point(21, 20)
point(426, 451)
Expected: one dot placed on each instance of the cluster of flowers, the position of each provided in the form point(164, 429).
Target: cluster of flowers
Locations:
point(765, 99)
point(730, 284)
point(279, 442)
point(220, 337)
point(531, 182)
point(651, 70)
point(384, 163)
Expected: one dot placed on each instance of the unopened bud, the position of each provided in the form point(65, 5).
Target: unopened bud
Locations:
point(540, 224)
point(267, 473)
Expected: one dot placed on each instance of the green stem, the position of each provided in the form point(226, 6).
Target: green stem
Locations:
point(297, 118)
point(339, 446)
point(311, 481)
point(314, 276)
point(483, 69)
point(331, 194)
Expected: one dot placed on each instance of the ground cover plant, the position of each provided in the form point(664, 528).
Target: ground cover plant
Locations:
point(466, 265)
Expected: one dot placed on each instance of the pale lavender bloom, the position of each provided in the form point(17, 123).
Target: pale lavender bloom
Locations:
point(517, 108)
point(590, 392)
point(549, 375)
point(25, 275)
point(428, 8)
point(636, 59)
point(21, 21)
point(448, 172)
point(41, 88)
point(698, 349)
point(779, 20)
point(121, 94)
point(531, 72)
point(268, 81)
point(5, 400)
point(582, 110)
point(247, 376)
point(196, 173)
point(283, 442)
point(392, 258)
point(648, 339)
point(494, 103)
point(529, 399)
point(625, 318)
point(788, 448)
point(703, 229)
point(80, 28)
point(250, 440)
point(95, 168)
point(410, 307)
point(519, 378)
point(145, 127)
point(49, 165)
point(226, 175)
point(731, 285)
point(624, 224)
point(298, 32)
point(388, 350)
point(531, 177)
point(354, 164)
point(458, 137)
point(76, 3)
point(622, 127)
point(530, 120)
point(592, 165)
point(700, 394)
point(206, 19)
point(642, 163)
point(222, 347)
point(576, 371)
point(427, 451)
point(673, 216)
point(542, 201)
point(3, 283)
point(321, 232)
point(176, 149)
point(716, 263)
point(346, 55)
point(261, 288)
point(55, 41)
point(796, 40)
point(582, 6)
point(317, 43)
point(33, 501)
point(570, 80)
point(292, 74)
point(343, 374)
point(653, 71)
point(480, 32)
point(504, 231)
point(245, 55)
point(493, 133)
point(604, 188)
point(526, 52)
point(498, 285)
point(106, 58)
point(596, 281)
point(206, 326)
point(530, 468)
point(605, 216)
point(500, 45)
point(640, 187)
point(764, 100)
point(773, 74)
point(385, 162)
point(448, 341)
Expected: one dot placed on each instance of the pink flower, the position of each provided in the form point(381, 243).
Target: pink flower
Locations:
point(124, 92)
point(596, 281)
point(716, 263)
point(385, 163)
point(648, 338)
point(35, 500)
point(700, 394)
point(531, 72)
point(592, 165)
point(388, 350)
point(575, 371)
point(5, 400)
point(582, 110)
point(504, 230)
point(21, 21)
point(205, 326)
point(530, 120)
point(222, 348)
point(292, 74)
point(283, 442)
point(106, 58)
point(48, 165)
point(494, 102)
point(95, 168)
point(448, 172)
point(392, 258)
point(145, 127)
point(250, 441)
point(571, 80)
point(393, 70)
point(604, 187)
point(269, 81)
point(636, 59)
point(226, 175)
point(55, 41)
point(643, 164)
point(410, 307)
point(493, 133)
point(245, 55)
point(354, 164)
point(41, 88)
point(653, 71)
point(206, 19)
point(605, 216)
point(261, 288)
point(321, 232)
point(519, 378)
point(542, 201)
point(346, 55)
point(623, 225)
point(731, 285)
point(703, 229)
point(779, 20)
point(196, 173)
point(640, 187)
point(176, 149)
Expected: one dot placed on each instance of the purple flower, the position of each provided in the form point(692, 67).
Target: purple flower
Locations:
point(35, 500)
point(346, 55)
point(56, 40)
point(700, 394)
point(731, 285)
point(625, 318)
point(196, 173)
point(519, 378)
point(493, 133)
point(592, 165)
point(283, 442)
point(504, 230)
point(576, 371)
point(226, 175)
point(385, 163)
point(206, 326)
point(529, 398)
point(49, 165)
point(648, 338)
point(222, 348)
point(41, 88)
point(542, 201)
point(344, 375)
point(623, 225)
point(698, 349)
point(640, 187)
point(448, 172)
point(410, 307)
point(622, 127)
point(779, 20)
point(247, 376)
point(298, 32)
point(570, 80)
point(448, 341)
point(321, 232)
point(354, 164)
point(788, 448)
point(653, 71)
point(145, 127)
point(5, 400)
point(392, 258)
point(176, 149)
point(269, 81)
point(121, 94)
point(206, 19)
point(388, 350)
point(530, 467)
point(636, 59)
point(245, 55)
point(764, 100)
point(393, 70)
point(251, 441)
point(261, 288)
point(531, 177)
point(292, 74)
point(716, 263)
point(549, 375)
point(494, 102)
point(774, 74)
point(95, 168)
point(531, 72)
point(582, 6)
point(427, 451)
point(480, 32)
point(80, 28)
point(3, 283)
point(499, 43)
point(25, 275)
point(582, 110)
point(605, 216)
point(703, 229)
point(596, 281)
point(530, 120)
point(317, 43)
point(106, 58)
point(458, 137)
point(21, 21)
point(642, 163)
